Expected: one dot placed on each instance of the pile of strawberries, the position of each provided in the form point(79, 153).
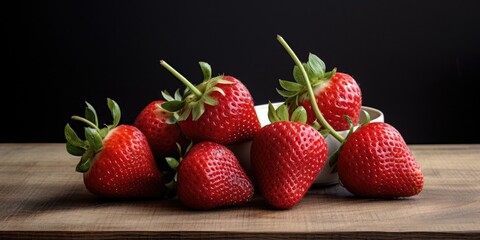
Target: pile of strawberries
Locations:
point(178, 146)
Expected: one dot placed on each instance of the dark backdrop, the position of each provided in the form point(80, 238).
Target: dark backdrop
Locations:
point(417, 61)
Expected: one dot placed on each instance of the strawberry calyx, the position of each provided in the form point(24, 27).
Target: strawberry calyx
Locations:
point(93, 143)
point(315, 68)
point(192, 101)
point(281, 114)
point(173, 163)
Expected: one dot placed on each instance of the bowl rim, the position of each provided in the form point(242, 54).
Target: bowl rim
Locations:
point(363, 107)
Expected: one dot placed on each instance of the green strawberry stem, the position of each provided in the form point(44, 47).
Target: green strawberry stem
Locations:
point(84, 120)
point(182, 79)
point(318, 114)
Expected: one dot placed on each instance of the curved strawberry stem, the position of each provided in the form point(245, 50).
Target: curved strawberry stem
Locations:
point(182, 79)
point(84, 120)
point(318, 114)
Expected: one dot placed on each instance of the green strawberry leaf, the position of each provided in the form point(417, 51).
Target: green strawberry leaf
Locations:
point(299, 115)
point(184, 113)
point(197, 111)
point(217, 89)
point(282, 112)
point(91, 114)
point(167, 96)
point(178, 96)
point(316, 66)
point(72, 137)
point(74, 150)
point(85, 163)
point(94, 139)
point(329, 75)
point(298, 76)
point(210, 100)
point(173, 106)
point(115, 111)
point(272, 113)
point(172, 162)
point(286, 94)
point(290, 86)
point(206, 70)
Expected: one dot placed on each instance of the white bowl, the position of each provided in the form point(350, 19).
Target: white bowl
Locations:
point(325, 177)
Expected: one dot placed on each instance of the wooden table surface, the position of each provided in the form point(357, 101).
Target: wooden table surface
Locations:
point(42, 197)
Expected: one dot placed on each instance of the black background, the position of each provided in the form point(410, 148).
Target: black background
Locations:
point(417, 61)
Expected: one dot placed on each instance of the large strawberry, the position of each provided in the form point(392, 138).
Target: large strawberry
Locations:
point(219, 109)
point(116, 160)
point(375, 161)
point(286, 157)
point(210, 176)
point(337, 94)
point(162, 135)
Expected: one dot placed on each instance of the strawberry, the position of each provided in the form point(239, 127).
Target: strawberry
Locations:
point(210, 176)
point(337, 94)
point(116, 161)
point(219, 109)
point(162, 136)
point(375, 161)
point(286, 157)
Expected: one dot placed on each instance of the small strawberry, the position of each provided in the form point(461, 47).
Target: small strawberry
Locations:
point(286, 157)
point(375, 161)
point(210, 176)
point(162, 136)
point(337, 94)
point(116, 161)
point(219, 109)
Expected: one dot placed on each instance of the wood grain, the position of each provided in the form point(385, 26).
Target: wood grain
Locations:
point(42, 197)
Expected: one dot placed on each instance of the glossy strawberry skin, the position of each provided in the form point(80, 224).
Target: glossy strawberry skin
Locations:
point(210, 176)
point(375, 161)
point(339, 96)
point(161, 136)
point(125, 167)
point(232, 120)
point(286, 157)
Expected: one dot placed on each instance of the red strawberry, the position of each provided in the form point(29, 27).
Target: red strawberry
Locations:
point(116, 161)
point(375, 161)
point(162, 136)
point(210, 176)
point(336, 97)
point(286, 157)
point(219, 109)
point(336, 94)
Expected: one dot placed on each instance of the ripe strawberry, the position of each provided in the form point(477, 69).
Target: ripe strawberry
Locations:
point(337, 94)
point(286, 157)
point(219, 109)
point(162, 136)
point(210, 176)
point(375, 161)
point(116, 161)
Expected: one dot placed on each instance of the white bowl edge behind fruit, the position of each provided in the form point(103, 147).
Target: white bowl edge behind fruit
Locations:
point(325, 177)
